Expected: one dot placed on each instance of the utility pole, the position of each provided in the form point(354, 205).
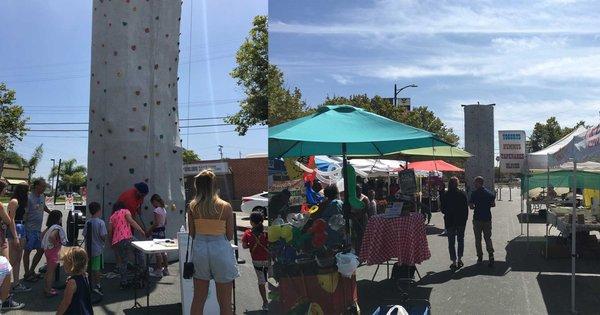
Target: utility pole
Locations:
point(57, 178)
point(240, 154)
point(52, 180)
point(221, 151)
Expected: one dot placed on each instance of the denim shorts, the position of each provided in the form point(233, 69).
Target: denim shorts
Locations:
point(20, 231)
point(34, 240)
point(214, 258)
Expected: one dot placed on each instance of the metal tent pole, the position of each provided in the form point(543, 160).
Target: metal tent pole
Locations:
point(346, 205)
point(573, 236)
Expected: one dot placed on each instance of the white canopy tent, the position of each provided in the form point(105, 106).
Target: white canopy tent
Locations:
point(579, 147)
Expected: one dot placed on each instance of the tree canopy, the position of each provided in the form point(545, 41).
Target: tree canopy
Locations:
point(545, 134)
point(190, 156)
point(72, 176)
point(267, 101)
point(251, 73)
point(12, 122)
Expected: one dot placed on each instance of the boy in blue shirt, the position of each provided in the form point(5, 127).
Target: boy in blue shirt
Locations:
point(481, 201)
point(98, 237)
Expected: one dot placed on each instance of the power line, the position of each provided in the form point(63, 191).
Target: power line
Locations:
point(85, 123)
point(185, 134)
point(81, 130)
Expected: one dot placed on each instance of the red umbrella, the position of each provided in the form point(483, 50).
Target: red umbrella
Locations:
point(435, 165)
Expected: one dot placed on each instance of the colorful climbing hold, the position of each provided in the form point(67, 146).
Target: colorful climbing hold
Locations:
point(133, 47)
point(137, 93)
point(124, 23)
point(147, 30)
point(131, 171)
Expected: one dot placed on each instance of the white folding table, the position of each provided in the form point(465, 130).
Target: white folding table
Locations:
point(150, 248)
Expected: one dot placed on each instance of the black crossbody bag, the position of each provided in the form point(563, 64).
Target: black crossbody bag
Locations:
point(188, 266)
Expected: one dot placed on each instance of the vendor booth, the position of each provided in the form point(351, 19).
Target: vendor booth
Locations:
point(313, 257)
point(579, 148)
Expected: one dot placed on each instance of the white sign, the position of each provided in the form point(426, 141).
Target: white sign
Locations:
point(218, 168)
point(404, 101)
point(512, 150)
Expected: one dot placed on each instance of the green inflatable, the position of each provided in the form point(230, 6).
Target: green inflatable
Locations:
point(355, 203)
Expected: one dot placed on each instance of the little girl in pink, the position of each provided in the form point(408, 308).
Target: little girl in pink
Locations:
point(52, 240)
point(119, 232)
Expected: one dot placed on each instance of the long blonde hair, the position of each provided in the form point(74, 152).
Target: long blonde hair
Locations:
point(206, 197)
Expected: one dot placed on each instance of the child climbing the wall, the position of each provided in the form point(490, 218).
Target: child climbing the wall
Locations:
point(256, 240)
point(53, 238)
point(77, 298)
point(119, 231)
point(98, 238)
point(157, 231)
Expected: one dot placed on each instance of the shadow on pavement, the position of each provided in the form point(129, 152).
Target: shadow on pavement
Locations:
point(374, 294)
point(556, 291)
point(165, 309)
point(432, 230)
point(500, 269)
point(523, 257)
point(36, 302)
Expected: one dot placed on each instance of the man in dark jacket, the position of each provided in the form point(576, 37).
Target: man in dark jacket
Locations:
point(456, 213)
point(481, 201)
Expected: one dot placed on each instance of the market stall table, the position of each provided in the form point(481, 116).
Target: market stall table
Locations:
point(401, 237)
point(559, 218)
point(150, 248)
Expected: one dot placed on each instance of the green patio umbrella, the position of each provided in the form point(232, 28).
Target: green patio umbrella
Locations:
point(438, 152)
point(346, 130)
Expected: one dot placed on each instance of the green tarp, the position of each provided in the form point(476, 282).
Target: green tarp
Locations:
point(563, 178)
point(364, 133)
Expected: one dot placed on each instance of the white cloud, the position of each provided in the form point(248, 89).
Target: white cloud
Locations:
point(440, 17)
point(342, 79)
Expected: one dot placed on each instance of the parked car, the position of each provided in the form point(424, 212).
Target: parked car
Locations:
point(258, 202)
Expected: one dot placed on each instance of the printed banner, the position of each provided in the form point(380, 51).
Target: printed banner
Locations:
point(512, 150)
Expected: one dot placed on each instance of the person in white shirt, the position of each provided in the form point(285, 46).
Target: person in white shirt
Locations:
point(157, 231)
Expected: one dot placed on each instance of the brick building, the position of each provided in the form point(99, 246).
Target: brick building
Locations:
point(236, 178)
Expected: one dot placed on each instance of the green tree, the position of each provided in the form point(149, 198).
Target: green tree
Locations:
point(35, 159)
point(419, 117)
point(12, 157)
point(545, 134)
point(190, 156)
point(267, 100)
point(12, 122)
point(284, 105)
point(72, 176)
point(251, 73)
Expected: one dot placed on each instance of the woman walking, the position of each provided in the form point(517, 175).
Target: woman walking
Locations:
point(456, 213)
point(16, 211)
point(210, 224)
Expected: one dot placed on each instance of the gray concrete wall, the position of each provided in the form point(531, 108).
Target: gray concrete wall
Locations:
point(134, 123)
point(479, 141)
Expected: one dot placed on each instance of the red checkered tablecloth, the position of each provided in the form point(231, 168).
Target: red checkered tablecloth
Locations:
point(403, 238)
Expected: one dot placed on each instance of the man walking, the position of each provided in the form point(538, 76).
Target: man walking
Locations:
point(34, 215)
point(481, 201)
point(456, 213)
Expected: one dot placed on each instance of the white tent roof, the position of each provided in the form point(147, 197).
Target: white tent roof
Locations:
point(554, 154)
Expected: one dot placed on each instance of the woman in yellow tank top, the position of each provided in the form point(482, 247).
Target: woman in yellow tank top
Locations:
point(210, 224)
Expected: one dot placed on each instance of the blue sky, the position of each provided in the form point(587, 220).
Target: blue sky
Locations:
point(45, 57)
point(533, 59)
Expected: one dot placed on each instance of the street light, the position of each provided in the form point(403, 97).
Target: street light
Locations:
point(396, 91)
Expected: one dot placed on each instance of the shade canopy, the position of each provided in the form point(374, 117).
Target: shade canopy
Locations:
point(563, 178)
point(444, 152)
point(364, 134)
point(434, 165)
